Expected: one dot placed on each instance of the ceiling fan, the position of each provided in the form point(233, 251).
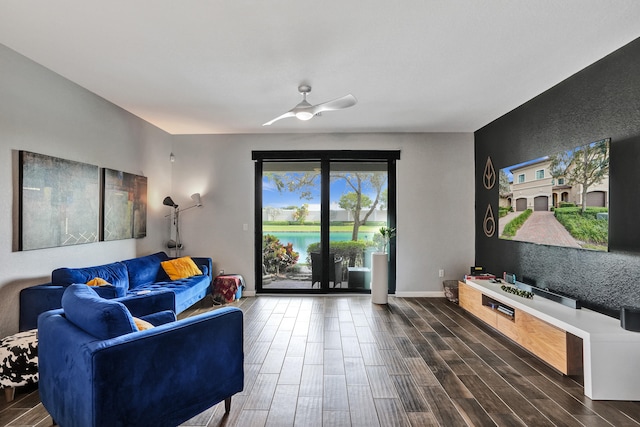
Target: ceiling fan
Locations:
point(305, 111)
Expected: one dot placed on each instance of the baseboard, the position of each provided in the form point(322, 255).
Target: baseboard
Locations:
point(420, 294)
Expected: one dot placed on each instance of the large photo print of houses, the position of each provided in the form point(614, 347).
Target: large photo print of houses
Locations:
point(558, 200)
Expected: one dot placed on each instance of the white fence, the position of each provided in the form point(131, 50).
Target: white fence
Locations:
point(278, 214)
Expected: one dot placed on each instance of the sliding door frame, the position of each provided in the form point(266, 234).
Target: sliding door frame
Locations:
point(325, 157)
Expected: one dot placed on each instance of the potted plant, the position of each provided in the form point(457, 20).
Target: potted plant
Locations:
point(380, 267)
point(387, 234)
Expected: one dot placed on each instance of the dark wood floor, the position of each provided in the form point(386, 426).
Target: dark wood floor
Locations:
point(342, 361)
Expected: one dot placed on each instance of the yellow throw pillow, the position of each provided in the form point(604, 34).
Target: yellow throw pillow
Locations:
point(181, 268)
point(97, 281)
point(142, 325)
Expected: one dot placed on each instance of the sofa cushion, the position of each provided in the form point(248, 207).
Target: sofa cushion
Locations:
point(102, 318)
point(181, 268)
point(187, 291)
point(145, 270)
point(114, 273)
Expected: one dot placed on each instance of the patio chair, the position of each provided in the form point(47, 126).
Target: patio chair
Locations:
point(335, 273)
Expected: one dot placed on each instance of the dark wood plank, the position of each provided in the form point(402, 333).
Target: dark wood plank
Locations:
point(342, 361)
point(282, 413)
point(491, 403)
point(409, 394)
point(308, 411)
point(355, 371)
point(334, 395)
point(443, 407)
point(472, 412)
point(391, 413)
point(361, 406)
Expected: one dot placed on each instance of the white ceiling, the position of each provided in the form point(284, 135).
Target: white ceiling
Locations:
point(227, 66)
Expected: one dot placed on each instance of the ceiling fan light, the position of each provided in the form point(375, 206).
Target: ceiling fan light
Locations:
point(304, 115)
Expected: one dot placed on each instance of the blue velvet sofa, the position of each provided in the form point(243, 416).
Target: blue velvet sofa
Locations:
point(129, 277)
point(98, 368)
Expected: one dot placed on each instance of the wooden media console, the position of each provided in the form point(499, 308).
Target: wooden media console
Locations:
point(573, 341)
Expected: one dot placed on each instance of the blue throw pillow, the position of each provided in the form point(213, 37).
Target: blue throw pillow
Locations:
point(114, 273)
point(102, 318)
point(144, 270)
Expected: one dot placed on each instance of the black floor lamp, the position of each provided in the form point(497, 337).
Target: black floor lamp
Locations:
point(176, 244)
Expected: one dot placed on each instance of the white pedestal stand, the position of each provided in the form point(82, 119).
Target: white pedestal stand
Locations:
point(379, 277)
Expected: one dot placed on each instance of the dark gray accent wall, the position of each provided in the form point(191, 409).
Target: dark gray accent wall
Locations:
point(601, 101)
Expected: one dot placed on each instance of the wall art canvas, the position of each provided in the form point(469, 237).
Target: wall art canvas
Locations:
point(124, 205)
point(58, 202)
point(558, 200)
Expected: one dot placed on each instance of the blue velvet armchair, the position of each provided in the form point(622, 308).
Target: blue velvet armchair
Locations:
point(99, 367)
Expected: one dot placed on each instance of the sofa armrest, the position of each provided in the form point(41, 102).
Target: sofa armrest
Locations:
point(204, 262)
point(38, 299)
point(48, 296)
point(197, 361)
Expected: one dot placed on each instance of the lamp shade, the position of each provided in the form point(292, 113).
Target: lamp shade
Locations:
point(168, 201)
point(196, 198)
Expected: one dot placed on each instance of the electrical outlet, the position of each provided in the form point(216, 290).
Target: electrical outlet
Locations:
point(441, 273)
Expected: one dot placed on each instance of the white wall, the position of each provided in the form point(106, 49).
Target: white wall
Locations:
point(42, 112)
point(434, 212)
point(45, 113)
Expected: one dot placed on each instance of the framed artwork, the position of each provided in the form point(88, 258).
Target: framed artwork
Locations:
point(124, 205)
point(566, 194)
point(58, 202)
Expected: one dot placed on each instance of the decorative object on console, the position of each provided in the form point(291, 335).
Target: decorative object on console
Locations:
point(550, 295)
point(509, 278)
point(483, 276)
point(476, 269)
point(176, 244)
point(517, 291)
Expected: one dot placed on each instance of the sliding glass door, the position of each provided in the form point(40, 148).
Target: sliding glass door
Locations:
point(317, 219)
point(357, 209)
point(291, 225)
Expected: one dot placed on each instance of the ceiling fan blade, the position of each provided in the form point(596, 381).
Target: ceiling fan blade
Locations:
point(336, 104)
point(284, 116)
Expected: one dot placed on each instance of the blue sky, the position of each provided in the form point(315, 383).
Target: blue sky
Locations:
point(271, 196)
point(508, 169)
